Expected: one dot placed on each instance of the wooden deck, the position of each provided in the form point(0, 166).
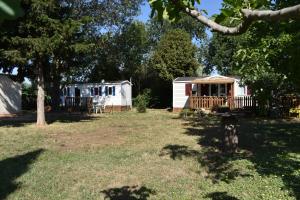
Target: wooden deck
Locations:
point(208, 102)
point(79, 103)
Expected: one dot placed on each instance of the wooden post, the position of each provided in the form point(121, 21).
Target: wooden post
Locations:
point(232, 95)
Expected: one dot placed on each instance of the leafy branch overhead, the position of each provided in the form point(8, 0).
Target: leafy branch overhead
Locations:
point(243, 12)
point(10, 9)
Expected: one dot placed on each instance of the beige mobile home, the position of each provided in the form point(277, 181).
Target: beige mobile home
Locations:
point(209, 91)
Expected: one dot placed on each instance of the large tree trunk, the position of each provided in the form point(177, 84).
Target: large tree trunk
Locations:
point(229, 123)
point(40, 97)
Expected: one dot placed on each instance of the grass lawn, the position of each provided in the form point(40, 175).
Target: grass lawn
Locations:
point(154, 155)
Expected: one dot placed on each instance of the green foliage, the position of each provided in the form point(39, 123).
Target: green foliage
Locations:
point(219, 54)
point(28, 97)
point(265, 57)
point(170, 10)
point(10, 9)
point(167, 9)
point(174, 56)
point(142, 101)
point(231, 9)
point(157, 28)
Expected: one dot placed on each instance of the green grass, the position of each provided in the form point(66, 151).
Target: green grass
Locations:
point(154, 155)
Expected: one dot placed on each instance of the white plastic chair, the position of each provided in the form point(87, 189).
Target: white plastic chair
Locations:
point(100, 105)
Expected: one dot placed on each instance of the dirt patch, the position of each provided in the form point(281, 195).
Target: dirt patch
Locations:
point(73, 141)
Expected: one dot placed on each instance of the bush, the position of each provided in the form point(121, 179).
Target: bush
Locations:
point(220, 109)
point(142, 101)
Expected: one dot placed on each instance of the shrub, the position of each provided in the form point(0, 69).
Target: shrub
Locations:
point(142, 101)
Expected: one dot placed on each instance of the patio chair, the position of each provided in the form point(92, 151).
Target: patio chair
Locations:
point(100, 105)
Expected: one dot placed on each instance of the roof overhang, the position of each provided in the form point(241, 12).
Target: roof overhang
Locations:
point(214, 80)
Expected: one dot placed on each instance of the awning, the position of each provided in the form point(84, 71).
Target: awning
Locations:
point(213, 80)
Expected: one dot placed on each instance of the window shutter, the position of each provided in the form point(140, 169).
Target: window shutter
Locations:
point(92, 91)
point(100, 91)
point(114, 90)
point(188, 89)
point(106, 91)
point(96, 91)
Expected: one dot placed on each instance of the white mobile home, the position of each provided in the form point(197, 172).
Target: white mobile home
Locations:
point(206, 91)
point(115, 95)
point(10, 96)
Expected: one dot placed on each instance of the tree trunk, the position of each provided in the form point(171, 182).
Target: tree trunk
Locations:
point(40, 97)
point(230, 133)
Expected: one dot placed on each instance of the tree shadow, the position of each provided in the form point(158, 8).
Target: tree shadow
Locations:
point(61, 117)
point(128, 193)
point(220, 196)
point(12, 168)
point(275, 147)
point(272, 146)
point(178, 151)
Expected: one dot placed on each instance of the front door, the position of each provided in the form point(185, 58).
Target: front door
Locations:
point(204, 90)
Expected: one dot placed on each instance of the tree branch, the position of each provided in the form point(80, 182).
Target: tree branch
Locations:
point(249, 16)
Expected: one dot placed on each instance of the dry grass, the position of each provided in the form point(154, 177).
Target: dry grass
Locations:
point(125, 156)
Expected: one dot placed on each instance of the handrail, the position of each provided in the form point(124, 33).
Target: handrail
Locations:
point(208, 102)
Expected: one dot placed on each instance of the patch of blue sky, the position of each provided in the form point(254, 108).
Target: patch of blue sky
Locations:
point(212, 7)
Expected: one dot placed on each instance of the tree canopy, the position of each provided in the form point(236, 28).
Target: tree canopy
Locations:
point(175, 55)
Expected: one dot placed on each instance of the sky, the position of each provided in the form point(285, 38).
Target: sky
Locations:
point(211, 6)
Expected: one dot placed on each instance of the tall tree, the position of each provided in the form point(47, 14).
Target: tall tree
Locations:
point(52, 35)
point(175, 55)
point(219, 54)
point(31, 41)
point(133, 48)
point(158, 28)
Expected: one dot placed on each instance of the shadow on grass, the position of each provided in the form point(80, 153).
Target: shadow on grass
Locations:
point(12, 168)
point(27, 119)
point(272, 146)
point(178, 151)
point(128, 193)
point(220, 196)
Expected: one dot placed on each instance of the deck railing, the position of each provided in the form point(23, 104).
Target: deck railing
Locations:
point(208, 102)
point(242, 102)
point(290, 101)
point(78, 102)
